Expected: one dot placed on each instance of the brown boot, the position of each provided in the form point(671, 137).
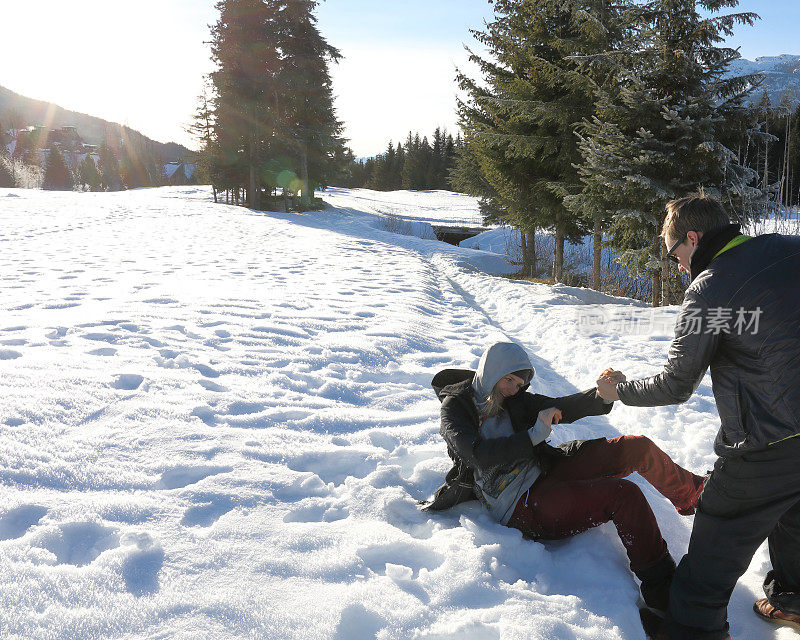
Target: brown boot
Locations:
point(769, 613)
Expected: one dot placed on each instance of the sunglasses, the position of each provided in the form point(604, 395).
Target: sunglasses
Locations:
point(675, 246)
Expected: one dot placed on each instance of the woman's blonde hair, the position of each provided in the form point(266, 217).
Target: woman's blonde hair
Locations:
point(494, 404)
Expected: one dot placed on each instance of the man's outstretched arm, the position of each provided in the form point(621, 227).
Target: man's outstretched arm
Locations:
point(689, 356)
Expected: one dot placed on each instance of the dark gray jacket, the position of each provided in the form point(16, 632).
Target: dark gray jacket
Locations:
point(755, 371)
point(460, 428)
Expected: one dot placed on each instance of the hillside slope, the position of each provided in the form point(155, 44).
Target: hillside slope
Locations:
point(92, 129)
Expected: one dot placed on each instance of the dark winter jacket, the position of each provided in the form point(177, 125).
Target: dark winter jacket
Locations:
point(460, 428)
point(755, 369)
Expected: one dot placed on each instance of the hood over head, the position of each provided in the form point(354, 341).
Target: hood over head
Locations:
point(498, 360)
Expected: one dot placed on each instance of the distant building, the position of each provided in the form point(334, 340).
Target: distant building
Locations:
point(177, 173)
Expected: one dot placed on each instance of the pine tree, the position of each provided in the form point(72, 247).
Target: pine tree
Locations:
point(396, 182)
point(6, 173)
point(88, 174)
point(245, 42)
point(202, 128)
point(108, 166)
point(794, 158)
point(309, 119)
point(57, 176)
point(660, 132)
point(382, 178)
point(521, 120)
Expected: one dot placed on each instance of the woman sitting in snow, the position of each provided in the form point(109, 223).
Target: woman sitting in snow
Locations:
point(495, 434)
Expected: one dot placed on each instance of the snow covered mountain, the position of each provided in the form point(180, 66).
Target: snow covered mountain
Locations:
point(781, 76)
point(216, 423)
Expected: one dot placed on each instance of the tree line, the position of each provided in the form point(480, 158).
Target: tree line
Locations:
point(777, 159)
point(40, 161)
point(417, 165)
point(589, 115)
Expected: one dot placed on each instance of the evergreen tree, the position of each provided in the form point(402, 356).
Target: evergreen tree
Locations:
point(27, 149)
point(315, 130)
point(659, 133)
point(202, 128)
point(108, 166)
point(88, 174)
point(794, 158)
point(6, 173)
point(245, 41)
point(57, 176)
point(521, 119)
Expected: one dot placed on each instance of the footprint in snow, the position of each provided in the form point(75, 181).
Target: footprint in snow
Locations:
point(127, 381)
point(106, 351)
point(317, 511)
point(415, 556)
point(142, 564)
point(206, 371)
point(357, 622)
point(101, 337)
point(183, 476)
point(212, 386)
point(79, 543)
point(335, 466)
point(207, 513)
point(16, 522)
point(15, 342)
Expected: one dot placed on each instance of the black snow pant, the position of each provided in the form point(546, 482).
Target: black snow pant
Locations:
point(745, 500)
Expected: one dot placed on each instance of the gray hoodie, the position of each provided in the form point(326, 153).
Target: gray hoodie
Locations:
point(500, 489)
point(498, 360)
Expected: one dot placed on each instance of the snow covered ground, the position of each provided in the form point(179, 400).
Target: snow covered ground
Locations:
point(432, 207)
point(215, 423)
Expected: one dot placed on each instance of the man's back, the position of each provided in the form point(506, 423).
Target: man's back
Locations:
point(752, 293)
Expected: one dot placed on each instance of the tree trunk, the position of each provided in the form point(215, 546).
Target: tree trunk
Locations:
point(558, 253)
point(657, 274)
point(214, 189)
point(597, 252)
point(766, 159)
point(786, 159)
point(305, 197)
point(528, 243)
point(253, 193)
point(666, 297)
point(526, 264)
point(531, 242)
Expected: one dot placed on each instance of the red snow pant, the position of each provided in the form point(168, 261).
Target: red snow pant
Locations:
point(585, 490)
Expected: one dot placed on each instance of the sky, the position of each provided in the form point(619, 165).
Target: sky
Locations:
point(142, 64)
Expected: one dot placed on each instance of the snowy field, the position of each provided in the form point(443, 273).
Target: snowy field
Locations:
point(432, 207)
point(215, 423)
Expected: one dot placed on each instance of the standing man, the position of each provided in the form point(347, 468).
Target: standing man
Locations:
point(740, 317)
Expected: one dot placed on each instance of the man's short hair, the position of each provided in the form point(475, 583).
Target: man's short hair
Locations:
point(695, 212)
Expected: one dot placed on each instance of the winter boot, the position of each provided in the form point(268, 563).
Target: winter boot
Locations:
point(656, 582)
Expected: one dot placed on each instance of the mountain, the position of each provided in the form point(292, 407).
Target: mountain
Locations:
point(21, 111)
point(781, 76)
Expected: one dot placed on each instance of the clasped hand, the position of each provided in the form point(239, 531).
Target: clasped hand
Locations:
point(607, 384)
